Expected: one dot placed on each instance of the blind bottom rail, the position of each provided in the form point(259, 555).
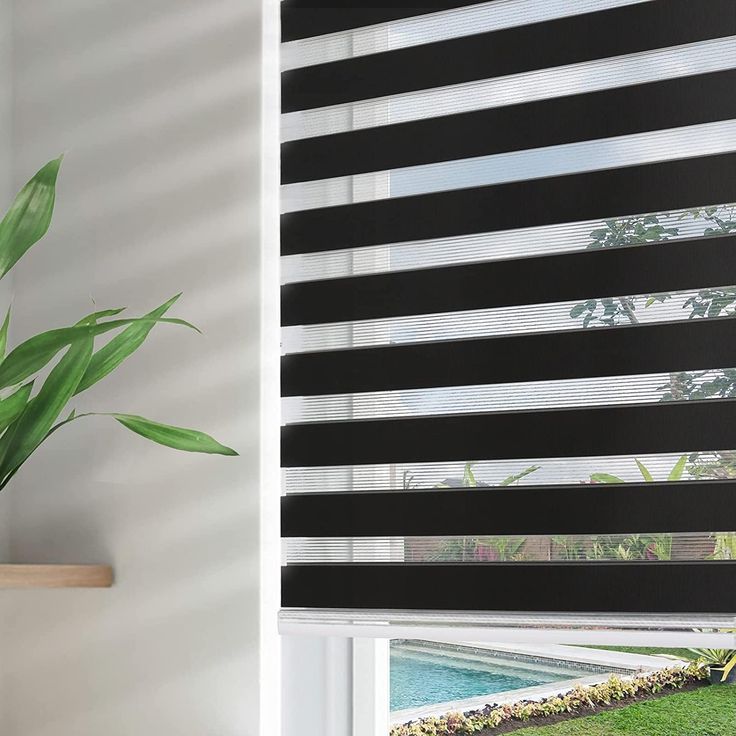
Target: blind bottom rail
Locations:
point(684, 630)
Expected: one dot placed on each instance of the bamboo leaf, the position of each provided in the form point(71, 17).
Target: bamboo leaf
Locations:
point(43, 410)
point(644, 471)
point(8, 440)
point(95, 317)
point(110, 356)
point(678, 469)
point(4, 335)
point(33, 354)
point(29, 216)
point(72, 416)
point(12, 407)
point(5, 442)
point(189, 440)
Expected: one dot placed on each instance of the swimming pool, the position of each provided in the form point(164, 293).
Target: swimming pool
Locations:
point(425, 676)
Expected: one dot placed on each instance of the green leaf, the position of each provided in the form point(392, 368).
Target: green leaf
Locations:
point(12, 407)
point(43, 410)
point(728, 667)
point(5, 442)
point(109, 357)
point(33, 354)
point(468, 476)
point(4, 335)
point(72, 416)
point(605, 478)
point(29, 216)
point(678, 469)
point(644, 471)
point(518, 476)
point(577, 310)
point(93, 318)
point(189, 440)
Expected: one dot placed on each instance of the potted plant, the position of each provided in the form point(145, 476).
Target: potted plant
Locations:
point(33, 398)
point(721, 664)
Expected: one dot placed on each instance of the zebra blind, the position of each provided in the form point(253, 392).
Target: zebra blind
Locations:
point(508, 248)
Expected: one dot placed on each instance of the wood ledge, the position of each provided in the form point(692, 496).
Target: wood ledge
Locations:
point(55, 576)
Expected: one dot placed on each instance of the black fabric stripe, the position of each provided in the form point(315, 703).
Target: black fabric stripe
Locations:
point(572, 198)
point(305, 18)
point(618, 351)
point(692, 506)
point(613, 587)
point(615, 430)
point(542, 45)
point(645, 269)
point(623, 111)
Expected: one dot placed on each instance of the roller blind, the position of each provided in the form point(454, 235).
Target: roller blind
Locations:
point(508, 244)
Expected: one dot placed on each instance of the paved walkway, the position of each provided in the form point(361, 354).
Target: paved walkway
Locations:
point(600, 657)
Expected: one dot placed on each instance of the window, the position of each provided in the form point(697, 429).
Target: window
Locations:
point(509, 363)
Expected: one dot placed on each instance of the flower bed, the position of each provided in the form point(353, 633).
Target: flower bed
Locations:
point(575, 702)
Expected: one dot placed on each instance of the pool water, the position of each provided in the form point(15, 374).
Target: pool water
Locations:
point(424, 678)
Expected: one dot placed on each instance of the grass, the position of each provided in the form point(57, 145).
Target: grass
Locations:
point(685, 654)
point(707, 711)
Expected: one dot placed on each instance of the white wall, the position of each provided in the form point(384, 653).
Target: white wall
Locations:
point(156, 105)
point(6, 193)
point(6, 101)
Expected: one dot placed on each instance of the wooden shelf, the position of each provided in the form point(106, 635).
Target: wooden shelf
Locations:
point(55, 576)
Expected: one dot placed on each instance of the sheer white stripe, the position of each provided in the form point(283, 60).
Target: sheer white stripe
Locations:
point(620, 151)
point(505, 244)
point(399, 34)
point(649, 547)
point(528, 471)
point(526, 319)
point(501, 397)
point(648, 66)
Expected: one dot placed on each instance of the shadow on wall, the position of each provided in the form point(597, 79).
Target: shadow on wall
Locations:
point(156, 106)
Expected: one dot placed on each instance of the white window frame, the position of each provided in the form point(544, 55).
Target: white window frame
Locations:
point(344, 679)
point(269, 649)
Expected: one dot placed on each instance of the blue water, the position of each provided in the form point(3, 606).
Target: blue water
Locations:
point(419, 678)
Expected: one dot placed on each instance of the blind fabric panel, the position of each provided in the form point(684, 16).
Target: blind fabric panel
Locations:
point(305, 18)
point(509, 314)
point(549, 44)
point(569, 119)
point(414, 30)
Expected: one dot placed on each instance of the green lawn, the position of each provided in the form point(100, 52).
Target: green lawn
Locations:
point(679, 653)
point(708, 711)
